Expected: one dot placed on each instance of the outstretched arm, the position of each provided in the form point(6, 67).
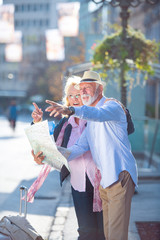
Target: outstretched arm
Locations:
point(110, 111)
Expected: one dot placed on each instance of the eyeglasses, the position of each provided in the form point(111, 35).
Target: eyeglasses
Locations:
point(74, 96)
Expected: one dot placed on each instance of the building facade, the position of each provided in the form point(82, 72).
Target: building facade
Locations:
point(32, 18)
point(146, 17)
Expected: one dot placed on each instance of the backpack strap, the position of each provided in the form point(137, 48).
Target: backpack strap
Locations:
point(130, 124)
point(114, 99)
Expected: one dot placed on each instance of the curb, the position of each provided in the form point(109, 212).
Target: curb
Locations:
point(62, 211)
point(148, 174)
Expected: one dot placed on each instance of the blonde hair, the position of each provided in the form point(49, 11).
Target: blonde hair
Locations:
point(71, 81)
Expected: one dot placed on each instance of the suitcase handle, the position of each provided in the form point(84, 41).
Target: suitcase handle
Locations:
point(25, 190)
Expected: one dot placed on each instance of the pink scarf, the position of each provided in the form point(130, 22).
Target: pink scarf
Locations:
point(38, 182)
point(97, 202)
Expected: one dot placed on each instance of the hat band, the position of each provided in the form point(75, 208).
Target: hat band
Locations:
point(89, 80)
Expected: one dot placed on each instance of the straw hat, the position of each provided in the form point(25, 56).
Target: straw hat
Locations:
point(89, 77)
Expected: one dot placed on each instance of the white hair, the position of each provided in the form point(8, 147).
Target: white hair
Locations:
point(71, 81)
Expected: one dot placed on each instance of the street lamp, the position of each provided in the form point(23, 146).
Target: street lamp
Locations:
point(124, 14)
point(133, 3)
point(124, 5)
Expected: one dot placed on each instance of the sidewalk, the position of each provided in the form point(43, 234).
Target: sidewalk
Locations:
point(52, 213)
point(145, 208)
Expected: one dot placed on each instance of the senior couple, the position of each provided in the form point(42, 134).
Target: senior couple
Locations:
point(105, 135)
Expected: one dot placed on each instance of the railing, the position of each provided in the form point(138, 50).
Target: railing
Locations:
point(146, 137)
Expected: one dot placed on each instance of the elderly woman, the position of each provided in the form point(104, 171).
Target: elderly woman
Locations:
point(83, 171)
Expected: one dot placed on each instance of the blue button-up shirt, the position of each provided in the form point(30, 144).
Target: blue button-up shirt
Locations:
point(107, 138)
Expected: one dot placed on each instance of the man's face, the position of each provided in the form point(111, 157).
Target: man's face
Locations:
point(88, 93)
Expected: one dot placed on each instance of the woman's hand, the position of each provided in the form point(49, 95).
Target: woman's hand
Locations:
point(37, 113)
point(38, 158)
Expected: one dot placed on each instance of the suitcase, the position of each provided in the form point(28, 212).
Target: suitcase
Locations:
point(4, 237)
point(18, 227)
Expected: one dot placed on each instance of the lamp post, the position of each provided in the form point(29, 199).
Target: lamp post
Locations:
point(124, 14)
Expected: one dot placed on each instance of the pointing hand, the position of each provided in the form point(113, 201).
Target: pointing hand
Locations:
point(37, 113)
point(55, 109)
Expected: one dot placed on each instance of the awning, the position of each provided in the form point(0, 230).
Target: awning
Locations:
point(79, 68)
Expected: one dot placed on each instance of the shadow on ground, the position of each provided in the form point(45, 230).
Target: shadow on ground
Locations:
point(46, 200)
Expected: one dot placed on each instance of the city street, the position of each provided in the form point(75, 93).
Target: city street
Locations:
point(18, 168)
point(73, 53)
point(52, 213)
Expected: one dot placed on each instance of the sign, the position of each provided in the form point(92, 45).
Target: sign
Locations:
point(6, 23)
point(13, 51)
point(68, 18)
point(54, 45)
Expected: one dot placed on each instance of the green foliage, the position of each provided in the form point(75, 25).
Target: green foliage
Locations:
point(135, 51)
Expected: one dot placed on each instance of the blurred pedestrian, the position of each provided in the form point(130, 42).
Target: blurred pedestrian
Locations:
point(106, 136)
point(12, 114)
point(84, 176)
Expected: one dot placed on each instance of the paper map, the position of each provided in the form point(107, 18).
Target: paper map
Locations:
point(41, 140)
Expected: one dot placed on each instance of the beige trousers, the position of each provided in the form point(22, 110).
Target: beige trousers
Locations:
point(116, 204)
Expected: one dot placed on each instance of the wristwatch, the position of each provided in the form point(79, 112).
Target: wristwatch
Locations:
point(72, 109)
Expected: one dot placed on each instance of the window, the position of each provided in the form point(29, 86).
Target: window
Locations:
point(34, 7)
point(28, 7)
point(16, 8)
point(47, 7)
point(47, 22)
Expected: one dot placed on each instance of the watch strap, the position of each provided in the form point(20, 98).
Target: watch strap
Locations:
point(72, 109)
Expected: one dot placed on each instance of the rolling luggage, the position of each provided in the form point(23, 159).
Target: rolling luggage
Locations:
point(18, 227)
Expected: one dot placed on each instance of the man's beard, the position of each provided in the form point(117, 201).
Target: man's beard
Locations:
point(90, 99)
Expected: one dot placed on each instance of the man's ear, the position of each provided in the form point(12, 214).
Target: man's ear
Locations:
point(100, 89)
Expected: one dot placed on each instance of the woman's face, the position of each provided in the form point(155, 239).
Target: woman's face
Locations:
point(74, 97)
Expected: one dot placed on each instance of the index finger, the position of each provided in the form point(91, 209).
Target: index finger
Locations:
point(51, 102)
point(35, 105)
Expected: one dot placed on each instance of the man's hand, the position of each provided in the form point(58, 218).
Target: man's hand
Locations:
point(57, 109)
point(38, 158)
point(37, 113)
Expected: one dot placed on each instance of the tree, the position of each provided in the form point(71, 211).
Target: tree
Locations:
point(113, 53)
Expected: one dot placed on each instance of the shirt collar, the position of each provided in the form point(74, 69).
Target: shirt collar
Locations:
point(71, 120)
point(101, 102)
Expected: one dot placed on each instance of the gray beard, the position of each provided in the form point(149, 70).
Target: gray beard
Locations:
point(90, 100)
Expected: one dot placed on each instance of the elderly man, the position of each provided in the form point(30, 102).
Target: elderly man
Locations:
point(107, 138)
